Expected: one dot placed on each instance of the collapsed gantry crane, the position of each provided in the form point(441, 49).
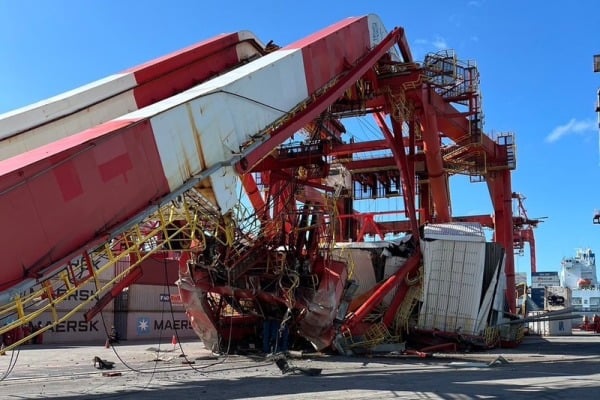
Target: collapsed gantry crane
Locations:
point(154, 160)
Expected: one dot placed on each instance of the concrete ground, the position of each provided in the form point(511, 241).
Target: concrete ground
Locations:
point(542, 368)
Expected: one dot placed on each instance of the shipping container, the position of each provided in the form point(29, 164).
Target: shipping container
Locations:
point(157, 325)
point(76, 330)
point(151, 298)
point(536, 327)
point(561, 327)
point(453, 283)
point(544, 279)
point(538, 296)
point(557, 298)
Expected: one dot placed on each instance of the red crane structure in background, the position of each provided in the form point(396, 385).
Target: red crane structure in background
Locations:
point(523, 229)
point(197, 125)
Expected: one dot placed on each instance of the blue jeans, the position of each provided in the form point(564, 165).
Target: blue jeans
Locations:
point(272, 337)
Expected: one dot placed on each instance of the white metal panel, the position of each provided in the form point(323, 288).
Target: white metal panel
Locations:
point(560, 327)
point(66, 103)
point(339, 176)
point(248, 99)
point(178, 143)
point(392, 265)
point(245, 49)
point(106, 275)
point(377, 29)
point(462, 231)
point(431, 262)
point(225, 185)
point(453, 276)
point(488, 299)
point(359, 261)
point(536, 327)
point(377, 33)
point(471, 284)
point(499, 299)
point(207, 124)
point(455, 268)
point(439, 303)
point(276, 81)
point(426, 251)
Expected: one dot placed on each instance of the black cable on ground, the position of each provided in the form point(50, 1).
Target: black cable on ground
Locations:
point(11, 363)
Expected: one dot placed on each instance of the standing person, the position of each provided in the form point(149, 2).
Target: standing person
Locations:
point(113, 336)
point(275, 331)
point(28, 330)
point(270, 333)
point(39, 339)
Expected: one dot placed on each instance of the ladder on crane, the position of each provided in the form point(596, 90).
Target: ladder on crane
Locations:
point(175, 221)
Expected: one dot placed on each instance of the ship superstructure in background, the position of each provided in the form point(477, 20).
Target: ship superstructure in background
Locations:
point(228, 160)
point(578, 274)
point(564, 296)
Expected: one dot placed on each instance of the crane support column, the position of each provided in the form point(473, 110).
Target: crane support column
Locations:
point(396, 143)
point(500, 190)
point(435, 167)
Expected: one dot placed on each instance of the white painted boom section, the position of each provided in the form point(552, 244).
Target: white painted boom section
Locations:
point(67, 126)
point(42, 112)
point(244, 49)
point(377, 32)
point(207, 124)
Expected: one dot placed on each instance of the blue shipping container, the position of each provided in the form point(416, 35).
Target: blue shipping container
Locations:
point(537, 296)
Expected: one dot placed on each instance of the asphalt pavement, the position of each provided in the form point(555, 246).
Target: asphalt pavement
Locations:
point(563, 367)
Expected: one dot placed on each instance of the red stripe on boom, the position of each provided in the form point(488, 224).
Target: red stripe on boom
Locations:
point(57, 202)
point(181, 70)
point(329, 52)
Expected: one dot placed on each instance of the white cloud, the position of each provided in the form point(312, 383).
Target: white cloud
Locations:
point(474, 3)
point(440, 43)
point(421, 46)
point(570, 128)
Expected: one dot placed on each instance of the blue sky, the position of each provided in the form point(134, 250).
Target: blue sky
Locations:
point(534, 57)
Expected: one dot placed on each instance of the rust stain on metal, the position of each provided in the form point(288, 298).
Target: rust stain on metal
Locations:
point(196, 135)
